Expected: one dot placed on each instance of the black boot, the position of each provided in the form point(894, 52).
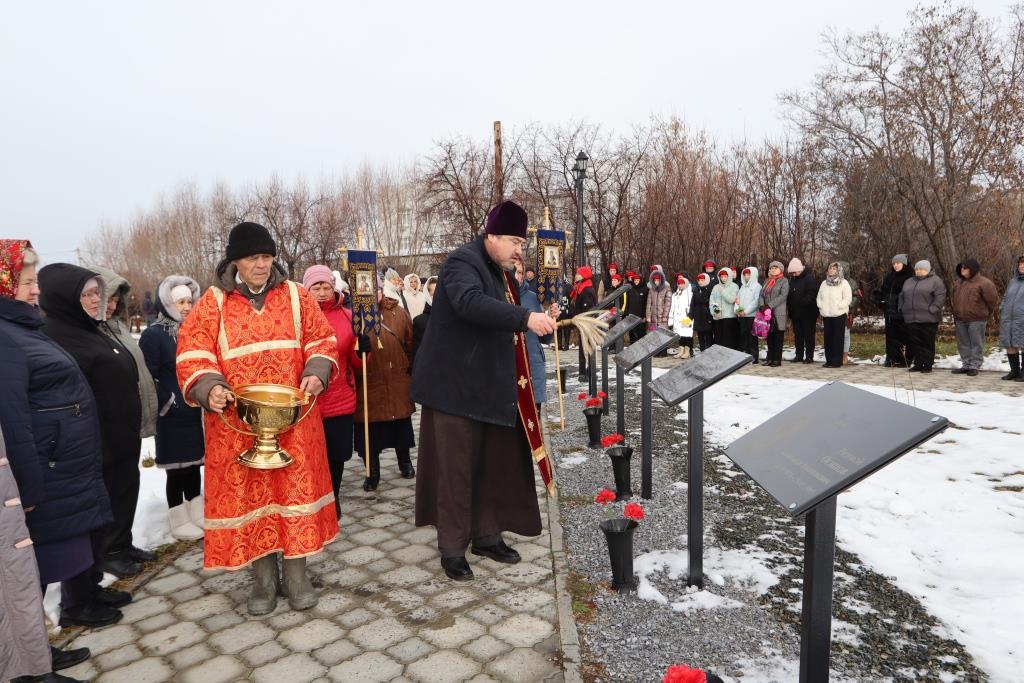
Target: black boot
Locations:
point(456, 568)
point(370, 483)
point(65, 659)
point(1014, 373)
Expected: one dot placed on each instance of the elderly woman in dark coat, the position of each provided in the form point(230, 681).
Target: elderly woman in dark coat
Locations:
point(72, 298)
point(179, 427)
point(50, 446)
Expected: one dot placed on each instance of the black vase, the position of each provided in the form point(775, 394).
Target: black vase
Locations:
point(619, 534)
point(593, 426)
point(620, 456)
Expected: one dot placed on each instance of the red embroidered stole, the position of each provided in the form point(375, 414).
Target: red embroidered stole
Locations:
point(524, 396)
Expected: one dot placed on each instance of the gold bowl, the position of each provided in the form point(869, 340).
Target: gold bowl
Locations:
point(270, 410)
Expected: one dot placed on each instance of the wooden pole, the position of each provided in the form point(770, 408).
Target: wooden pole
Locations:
point(499, 173)
point(366, 412)
point(558, 378)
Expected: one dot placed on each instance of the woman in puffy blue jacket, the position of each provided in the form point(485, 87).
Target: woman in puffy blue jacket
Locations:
point(49, 420)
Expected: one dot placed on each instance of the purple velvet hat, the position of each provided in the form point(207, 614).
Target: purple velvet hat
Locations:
point(507, 218)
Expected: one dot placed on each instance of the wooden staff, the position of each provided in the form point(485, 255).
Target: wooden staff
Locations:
point(558, 378)
point(366, 408)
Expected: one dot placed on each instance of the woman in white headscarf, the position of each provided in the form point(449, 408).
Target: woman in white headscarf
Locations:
point(415, 299)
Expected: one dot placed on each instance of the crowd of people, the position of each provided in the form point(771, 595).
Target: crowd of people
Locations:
point(733, 307)
point(78, 393)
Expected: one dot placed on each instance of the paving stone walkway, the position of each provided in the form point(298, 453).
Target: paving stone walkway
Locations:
point(387, 612)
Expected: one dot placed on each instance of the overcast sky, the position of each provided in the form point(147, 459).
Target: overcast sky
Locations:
point(106, 105)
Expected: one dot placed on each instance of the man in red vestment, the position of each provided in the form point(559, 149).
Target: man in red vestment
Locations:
point(257, 327)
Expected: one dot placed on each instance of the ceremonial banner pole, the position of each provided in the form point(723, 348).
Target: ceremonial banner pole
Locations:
point(362, 273)
point(550, 253)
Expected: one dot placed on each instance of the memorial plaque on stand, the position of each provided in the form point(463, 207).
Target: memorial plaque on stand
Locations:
point(808, 454)
point(651, 344)
point(615, 337)
point(609, 299)
point(620, 330)
point(697, 374)
point(640, 353)
point(828, 441)
point(688, 380)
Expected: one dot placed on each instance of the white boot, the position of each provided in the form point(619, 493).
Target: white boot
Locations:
point(196, 512)
point(182, 527)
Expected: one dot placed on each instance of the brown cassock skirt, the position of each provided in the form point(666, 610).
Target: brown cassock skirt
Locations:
point(474, 480)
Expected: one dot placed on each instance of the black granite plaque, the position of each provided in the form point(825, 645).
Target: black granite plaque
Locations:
point(614, 296)
point(706, 368)
point(620, 330)
point(828, 441)
point(650, 344)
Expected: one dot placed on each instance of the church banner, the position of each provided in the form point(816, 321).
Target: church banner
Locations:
point(550, 252)
point(362, 281)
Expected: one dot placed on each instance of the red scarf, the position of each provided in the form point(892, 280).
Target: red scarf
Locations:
point(771, 282)
point(578, 288)
point(528, 416)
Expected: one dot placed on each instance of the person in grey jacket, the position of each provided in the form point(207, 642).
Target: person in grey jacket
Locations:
point(24, 649)
point(773, 297)
point(1011, 322)
point(921, 302)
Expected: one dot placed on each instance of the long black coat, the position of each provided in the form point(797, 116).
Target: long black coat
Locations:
point(108, 367)
point(889, 293)
point(700, 308)
point(179, 427)
point(584, 301)
point(466, 364)
point(50, 428)
point(802, 302)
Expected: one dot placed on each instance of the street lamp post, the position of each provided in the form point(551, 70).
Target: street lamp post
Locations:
point(579, 172)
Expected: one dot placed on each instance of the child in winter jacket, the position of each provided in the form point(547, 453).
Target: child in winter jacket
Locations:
point(723, 310)
point(746, 309)
point(700, 312)
point(659, 300)
point(678, 316)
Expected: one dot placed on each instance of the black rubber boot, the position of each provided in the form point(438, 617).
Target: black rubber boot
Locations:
point(1014, 373)
point(370, 483)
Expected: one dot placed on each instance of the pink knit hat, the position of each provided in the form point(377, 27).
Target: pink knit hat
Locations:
point(315, 274)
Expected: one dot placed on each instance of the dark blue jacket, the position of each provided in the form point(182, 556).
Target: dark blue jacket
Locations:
point(50, 428)
point(538, 370)
point(179, 427)
point(466, 365)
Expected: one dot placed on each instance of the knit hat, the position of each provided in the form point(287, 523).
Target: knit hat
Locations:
point(613, 265)
point(585, 272)
point(249, 239)
point(703, 279)
point(616, 277)
point(315, 274)
point(507, 218)
point(680, 279)
point(795, 266)
point(776, 264)
point(901, 258)
point(709, 264)
point(181, 292)
point(923, 265)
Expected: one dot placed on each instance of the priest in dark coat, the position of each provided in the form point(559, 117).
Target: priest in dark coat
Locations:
point(480, 434)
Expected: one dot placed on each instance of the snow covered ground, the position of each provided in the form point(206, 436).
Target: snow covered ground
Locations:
point(945, 522)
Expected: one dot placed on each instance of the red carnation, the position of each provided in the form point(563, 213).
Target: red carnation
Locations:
point(605, 496)
point(581, 397)
point(633, 511)
point(601, 394)
point(611, 440)
point(684, 674)
point(594, 402)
